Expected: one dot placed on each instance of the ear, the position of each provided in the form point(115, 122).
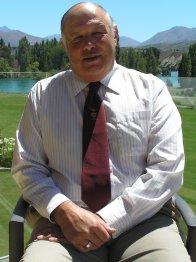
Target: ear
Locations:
point(63, 44)
point(116, 36)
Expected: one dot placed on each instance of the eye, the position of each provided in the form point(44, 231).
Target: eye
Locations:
point(98, 34)
point(77, 39)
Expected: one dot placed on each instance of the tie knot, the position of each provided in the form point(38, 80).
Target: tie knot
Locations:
point(94, 87)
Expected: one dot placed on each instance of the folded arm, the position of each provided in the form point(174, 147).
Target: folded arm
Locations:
point(162, 176)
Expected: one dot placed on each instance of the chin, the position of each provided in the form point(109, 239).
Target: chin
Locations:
point(91, 75)
point(91, 78)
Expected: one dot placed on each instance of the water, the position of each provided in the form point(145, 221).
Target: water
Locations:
point(24, 85)
point(173, 79)
point(16, 85)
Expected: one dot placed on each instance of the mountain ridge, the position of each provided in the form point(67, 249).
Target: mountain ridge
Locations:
point(174, 35)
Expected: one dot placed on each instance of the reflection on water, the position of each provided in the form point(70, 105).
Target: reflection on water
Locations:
point(172, 80)
point(16, 85)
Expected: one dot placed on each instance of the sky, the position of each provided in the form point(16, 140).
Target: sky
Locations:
point(137, 19)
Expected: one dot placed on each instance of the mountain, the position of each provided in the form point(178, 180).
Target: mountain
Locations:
point(50, 37)
point(179, 37)
point(125, 41)
point(177, 34)
point(13, 36)
point(5, 29)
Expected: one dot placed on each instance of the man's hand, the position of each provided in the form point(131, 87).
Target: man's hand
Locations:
point(79, 226)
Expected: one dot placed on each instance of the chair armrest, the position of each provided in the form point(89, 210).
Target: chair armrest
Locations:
point(186, 211)
point(16, 230)
point(189, 217)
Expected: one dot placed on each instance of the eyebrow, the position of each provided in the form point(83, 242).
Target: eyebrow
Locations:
point(94, 26)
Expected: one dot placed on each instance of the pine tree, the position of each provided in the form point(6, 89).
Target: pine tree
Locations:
point(184, 69)
point(24, 54)
point(192, 52)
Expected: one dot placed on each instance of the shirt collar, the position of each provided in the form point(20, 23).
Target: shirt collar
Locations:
point(110, 81)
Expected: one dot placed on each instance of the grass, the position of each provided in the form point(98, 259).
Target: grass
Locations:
point(10, 111)
point(189, 135)
point(11, 108)
point(9, 193)
point(189, 102)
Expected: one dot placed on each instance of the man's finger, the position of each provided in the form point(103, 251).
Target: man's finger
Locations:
point(52, 238)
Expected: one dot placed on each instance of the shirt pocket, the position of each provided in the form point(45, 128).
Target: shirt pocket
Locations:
point(133, 132)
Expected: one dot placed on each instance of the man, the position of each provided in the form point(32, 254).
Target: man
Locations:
point(146, 157)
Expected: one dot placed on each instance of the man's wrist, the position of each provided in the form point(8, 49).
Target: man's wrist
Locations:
point(57, 210)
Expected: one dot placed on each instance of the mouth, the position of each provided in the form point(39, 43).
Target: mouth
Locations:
point(91, 58)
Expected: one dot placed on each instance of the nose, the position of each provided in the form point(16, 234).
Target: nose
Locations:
point(89, 43)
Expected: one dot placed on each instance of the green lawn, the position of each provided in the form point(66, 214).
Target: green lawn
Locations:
point(9, 193)
point(189, 134)
point(11, 107)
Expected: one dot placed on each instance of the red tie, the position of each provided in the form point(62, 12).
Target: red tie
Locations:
point(96, 187)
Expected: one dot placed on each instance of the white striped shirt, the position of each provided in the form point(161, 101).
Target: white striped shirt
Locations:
point(145, 144)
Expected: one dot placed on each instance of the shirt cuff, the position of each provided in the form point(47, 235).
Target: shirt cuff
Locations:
point(115, 215)
point(54, 203)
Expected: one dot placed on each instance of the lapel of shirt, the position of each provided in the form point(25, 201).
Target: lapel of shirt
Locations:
point(114, 79)
point(77, 85)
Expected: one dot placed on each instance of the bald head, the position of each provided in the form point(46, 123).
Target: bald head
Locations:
point(92, 8)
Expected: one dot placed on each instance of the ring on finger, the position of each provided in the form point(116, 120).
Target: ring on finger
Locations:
point(89, 244)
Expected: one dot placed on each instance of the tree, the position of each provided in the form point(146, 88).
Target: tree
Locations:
point(4, 67)
point(24, 54)
point(2, 43)
point(193, 68)
point(192, 52)
point(165, 72)
point(141, 63)
point(34, 67)
point(117, 51)
point(131, 58)
point(5, 51)
point(45, 61)
point(151, 61)
point(35, 53)
point(123, 57)
point(155, 51)
point(58, 58)
point(184, 69)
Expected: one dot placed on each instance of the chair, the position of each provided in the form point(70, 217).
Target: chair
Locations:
point(16, 228)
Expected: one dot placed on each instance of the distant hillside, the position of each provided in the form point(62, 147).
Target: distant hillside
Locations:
point(50, 37)
point(178, 34)
point(176, 38)
point(5, 29)
point(125, 41)
point(181, 46)
point(13, 36)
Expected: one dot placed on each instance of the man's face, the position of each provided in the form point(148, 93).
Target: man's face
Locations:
point(89, 42)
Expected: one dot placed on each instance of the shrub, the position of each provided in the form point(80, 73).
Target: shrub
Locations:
point(6, 151)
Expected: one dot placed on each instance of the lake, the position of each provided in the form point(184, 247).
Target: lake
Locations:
point(24, 85)
point(16, 85)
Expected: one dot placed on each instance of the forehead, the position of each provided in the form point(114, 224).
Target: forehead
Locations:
point(85, 14)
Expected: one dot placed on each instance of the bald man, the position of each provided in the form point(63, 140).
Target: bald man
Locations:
point(139, 221)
